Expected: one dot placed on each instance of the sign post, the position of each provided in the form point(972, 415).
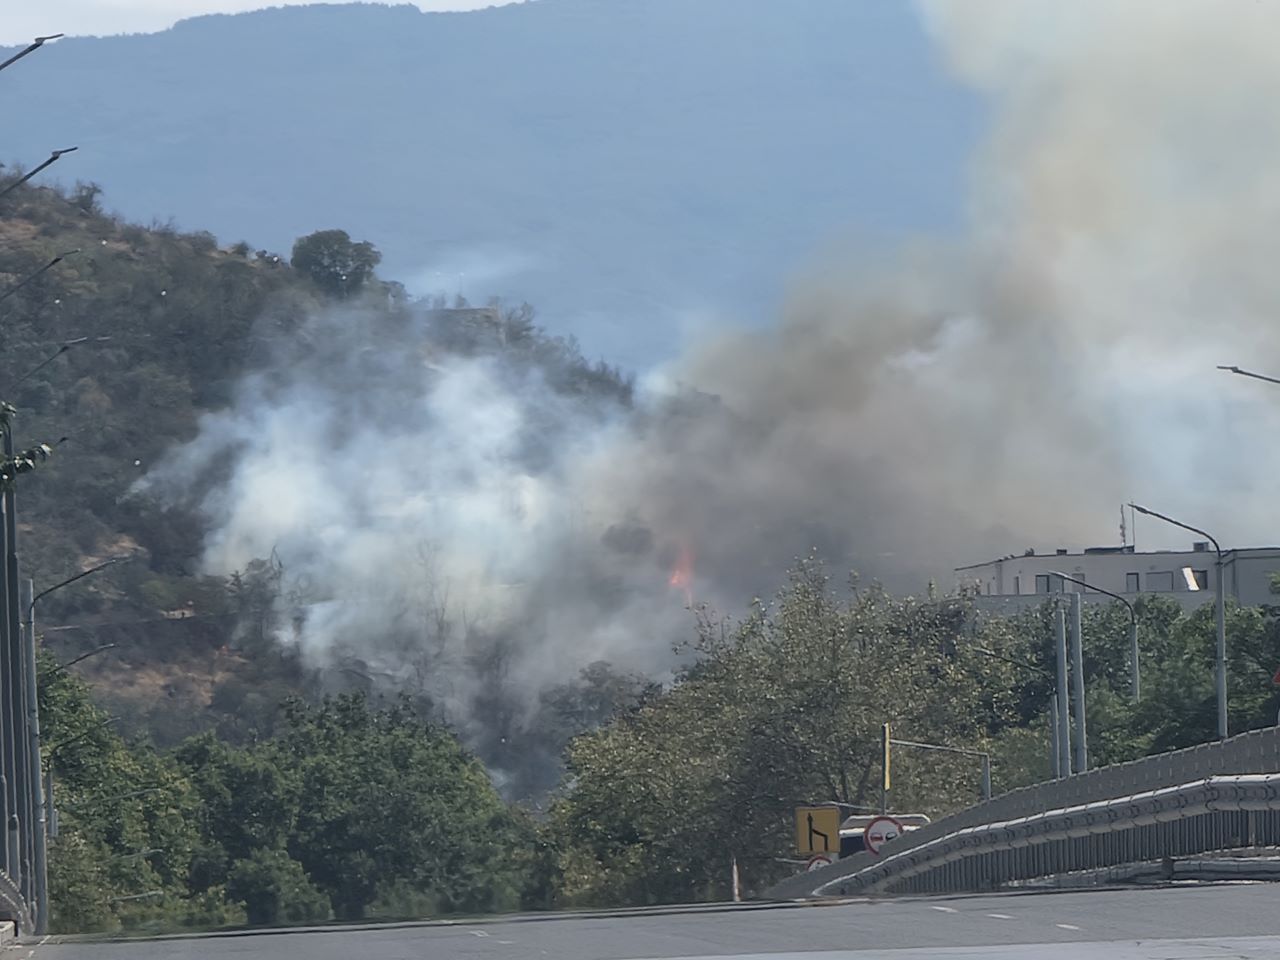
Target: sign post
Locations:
point(885, 783)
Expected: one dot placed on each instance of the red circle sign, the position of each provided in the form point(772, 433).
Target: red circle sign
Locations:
point(817, 862)
point(879, 832)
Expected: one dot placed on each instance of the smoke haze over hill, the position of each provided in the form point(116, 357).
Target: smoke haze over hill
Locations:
point(949, 400)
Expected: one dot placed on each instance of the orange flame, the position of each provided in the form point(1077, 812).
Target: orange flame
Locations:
point(682, 574)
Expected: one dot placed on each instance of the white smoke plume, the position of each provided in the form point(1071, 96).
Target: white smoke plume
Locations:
point(957, 400)
point(417, 494)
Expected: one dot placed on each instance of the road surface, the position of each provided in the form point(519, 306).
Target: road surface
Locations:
point(1180, 923)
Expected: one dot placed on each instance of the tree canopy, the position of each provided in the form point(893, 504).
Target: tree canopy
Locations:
point(337, 264)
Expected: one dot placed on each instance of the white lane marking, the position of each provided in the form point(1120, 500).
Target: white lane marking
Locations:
point(506, 943)
point(999, 916)
point(1067, 926)
point(477, 933)
point(946, 909)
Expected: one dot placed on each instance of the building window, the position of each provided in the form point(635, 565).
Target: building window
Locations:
point(1202, 578)
point(1042, 583)
point(1131, 583)
point(1160, 582)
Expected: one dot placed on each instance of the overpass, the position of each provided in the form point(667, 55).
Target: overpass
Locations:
point(1216, 798)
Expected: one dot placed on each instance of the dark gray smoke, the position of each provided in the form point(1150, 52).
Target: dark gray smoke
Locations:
point(945, 403)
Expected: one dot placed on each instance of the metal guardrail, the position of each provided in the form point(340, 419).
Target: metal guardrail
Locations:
point(14, 906)
point(1250, 753)
point(1216, 814)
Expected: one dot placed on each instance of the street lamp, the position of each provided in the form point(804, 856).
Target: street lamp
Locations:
point(1247, 373)
point(31, 276)
point(1222, 615)
point(109, 562)
point(1135, 681)
point(53, 158)
point(32, 47)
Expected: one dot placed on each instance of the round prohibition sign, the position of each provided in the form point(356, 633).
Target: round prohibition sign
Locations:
point(879, 832)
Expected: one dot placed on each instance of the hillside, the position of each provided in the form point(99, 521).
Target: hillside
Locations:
point(169, 326)
point(631, 166)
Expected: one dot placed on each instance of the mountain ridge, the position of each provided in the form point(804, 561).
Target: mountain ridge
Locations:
point(624, 164)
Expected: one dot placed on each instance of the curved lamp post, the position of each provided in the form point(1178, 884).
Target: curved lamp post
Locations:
point(1135, 685)
point(1222, 615)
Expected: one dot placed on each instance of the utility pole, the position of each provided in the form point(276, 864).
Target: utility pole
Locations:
point(1055, 759)
point(40, 833)
point(885, 782)
point(1077, 654)
point(1064, 703)
point(15, 665)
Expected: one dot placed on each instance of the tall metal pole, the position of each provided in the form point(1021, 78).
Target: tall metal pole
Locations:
point(14, 666)
point(1064, 707)
point(1077, 656)
point(886, 746)
point(40, 844)
point(1134, 669)
point(1055, 761)
point(1222, 652)
point(986, 776)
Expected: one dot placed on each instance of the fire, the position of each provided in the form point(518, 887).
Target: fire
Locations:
point(682, 574)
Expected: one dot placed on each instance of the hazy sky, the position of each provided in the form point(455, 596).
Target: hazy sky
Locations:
point(25, 19)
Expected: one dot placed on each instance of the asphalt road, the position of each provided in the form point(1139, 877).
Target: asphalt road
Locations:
point(1181, 923)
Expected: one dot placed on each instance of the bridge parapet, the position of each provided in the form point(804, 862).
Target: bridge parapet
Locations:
point(1025, 810)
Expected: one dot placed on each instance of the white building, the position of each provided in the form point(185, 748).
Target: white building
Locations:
point(1184, 575)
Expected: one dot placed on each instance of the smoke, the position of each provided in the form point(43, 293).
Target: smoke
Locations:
point(1012, 387)
point(443, 512)
point(409, 470)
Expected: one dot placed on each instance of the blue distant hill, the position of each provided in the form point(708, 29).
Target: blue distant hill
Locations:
point(622, 164)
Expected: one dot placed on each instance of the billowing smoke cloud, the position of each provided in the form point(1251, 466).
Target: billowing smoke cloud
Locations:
point(1012, 387)
point(411, 472)
point(945, 403)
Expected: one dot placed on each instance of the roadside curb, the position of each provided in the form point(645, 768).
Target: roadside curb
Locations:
point(669, 910)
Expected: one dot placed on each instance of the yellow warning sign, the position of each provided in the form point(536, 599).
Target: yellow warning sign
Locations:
point(817, 830)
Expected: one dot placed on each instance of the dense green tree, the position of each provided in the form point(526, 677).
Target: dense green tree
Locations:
point(275, 889)
point(784, 708)
point(394, 797)
point(337, 264)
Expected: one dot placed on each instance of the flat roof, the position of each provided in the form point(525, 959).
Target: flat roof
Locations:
point(1113, 552)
